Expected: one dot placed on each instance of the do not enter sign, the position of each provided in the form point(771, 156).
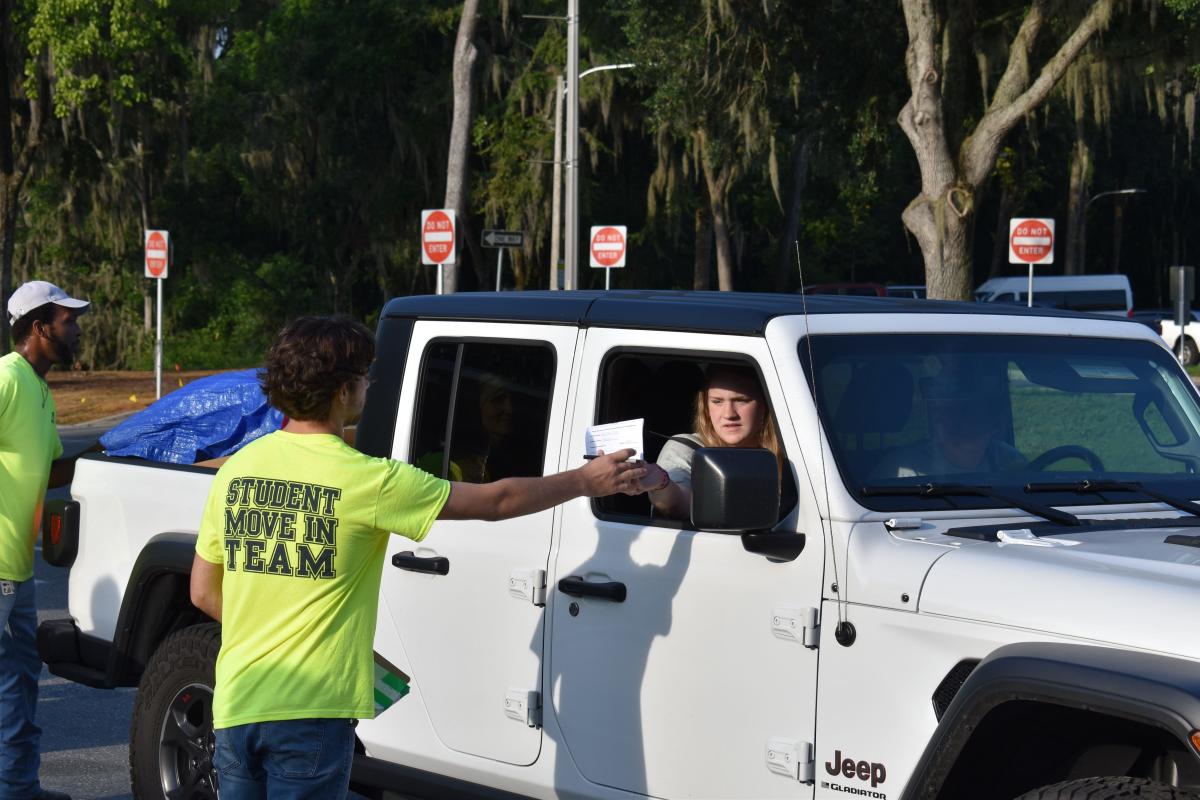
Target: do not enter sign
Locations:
point(1031, 241)
point(438, 245)
point(608, 246)
point(158, 253)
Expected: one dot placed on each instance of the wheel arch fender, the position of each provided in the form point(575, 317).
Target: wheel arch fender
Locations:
point(156, 603)
point(1148, 689)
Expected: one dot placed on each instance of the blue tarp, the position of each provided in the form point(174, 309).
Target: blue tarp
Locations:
point(208, 418)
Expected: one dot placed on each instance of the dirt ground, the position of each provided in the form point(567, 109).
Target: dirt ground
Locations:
point(85, 396)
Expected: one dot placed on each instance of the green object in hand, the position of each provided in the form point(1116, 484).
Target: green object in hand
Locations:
point(390, 684)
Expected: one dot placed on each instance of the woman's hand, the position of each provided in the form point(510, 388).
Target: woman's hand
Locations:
point(654, 479)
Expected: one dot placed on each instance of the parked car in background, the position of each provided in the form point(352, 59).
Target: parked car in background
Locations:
point(1186, 351)
point(861, 289)
point(1153, 317)
point(1096, 294)
point(913, 290)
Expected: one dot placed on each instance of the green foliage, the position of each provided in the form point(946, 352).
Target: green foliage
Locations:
point(1186, 10)
point(290, 145)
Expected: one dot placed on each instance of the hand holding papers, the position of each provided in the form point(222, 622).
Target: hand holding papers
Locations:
point(614, 436)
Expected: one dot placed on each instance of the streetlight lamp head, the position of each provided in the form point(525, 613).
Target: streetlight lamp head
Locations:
point(1112, 193)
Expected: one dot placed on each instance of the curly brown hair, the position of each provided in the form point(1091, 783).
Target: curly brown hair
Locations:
point(310, 360)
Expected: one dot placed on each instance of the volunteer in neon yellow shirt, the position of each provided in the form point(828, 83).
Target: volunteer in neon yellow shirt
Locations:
point(45, 331)
point(289, 559)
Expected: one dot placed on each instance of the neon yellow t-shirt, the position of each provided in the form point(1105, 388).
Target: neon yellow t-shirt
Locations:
point(28, 444)
point(300, 523)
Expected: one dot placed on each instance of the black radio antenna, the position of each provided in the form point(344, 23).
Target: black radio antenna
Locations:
point(845, 630)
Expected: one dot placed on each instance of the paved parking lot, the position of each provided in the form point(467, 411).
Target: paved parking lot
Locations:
point(85, 732)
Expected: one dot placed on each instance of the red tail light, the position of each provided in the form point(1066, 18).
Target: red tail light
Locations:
point(60, 532)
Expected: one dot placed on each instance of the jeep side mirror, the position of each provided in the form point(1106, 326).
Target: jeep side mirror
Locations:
point(734, 489)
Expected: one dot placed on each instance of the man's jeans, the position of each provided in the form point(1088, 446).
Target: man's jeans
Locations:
point(285, 760)
point(19, 671)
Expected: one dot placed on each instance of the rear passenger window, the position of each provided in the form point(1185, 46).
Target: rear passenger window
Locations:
point(483, 410)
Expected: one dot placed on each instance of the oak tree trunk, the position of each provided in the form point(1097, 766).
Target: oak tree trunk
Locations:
point(1074, 262)
point(702, 265)
point(942, 215)
point(457, 171)
point(791, 229)
point(717, 180)
point(1007, 207)
point(8, 199)
point(14, 165)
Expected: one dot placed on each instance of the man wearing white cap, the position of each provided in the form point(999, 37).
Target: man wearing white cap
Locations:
point(45, 331)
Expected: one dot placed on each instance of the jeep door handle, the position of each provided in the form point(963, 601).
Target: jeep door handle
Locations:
point(605, 590)
point(437, 565)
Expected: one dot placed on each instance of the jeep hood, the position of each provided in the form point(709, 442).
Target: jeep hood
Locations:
point(1126, 587)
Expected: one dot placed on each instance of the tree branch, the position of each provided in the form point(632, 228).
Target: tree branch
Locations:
point(33, 135)
point(922, 117)
point(1016, 74)
point(979, 151)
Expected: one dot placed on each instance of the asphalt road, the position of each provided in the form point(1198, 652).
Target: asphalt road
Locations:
point(85, 732)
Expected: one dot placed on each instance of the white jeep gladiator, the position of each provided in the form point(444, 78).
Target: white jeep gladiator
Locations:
point(977, 574)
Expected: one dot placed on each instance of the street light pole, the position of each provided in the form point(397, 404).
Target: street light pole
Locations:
point(1083, 223)
point(556, 193)
point(572, 277)
point(572, 211)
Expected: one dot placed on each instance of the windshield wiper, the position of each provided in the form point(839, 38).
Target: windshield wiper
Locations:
point(949, 489)
point(1098, 487)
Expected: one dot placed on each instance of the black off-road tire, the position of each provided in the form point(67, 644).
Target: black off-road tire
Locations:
point(171, 738)
point(1109, 789)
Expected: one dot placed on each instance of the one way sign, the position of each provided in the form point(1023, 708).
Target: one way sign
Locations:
point(503, 238)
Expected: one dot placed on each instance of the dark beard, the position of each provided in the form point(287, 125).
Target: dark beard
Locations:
point(64, 354)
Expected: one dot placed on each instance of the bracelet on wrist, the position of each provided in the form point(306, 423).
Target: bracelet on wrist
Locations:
point(666, 481)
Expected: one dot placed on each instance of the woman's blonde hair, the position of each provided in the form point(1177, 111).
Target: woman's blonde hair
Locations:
point(768, 436)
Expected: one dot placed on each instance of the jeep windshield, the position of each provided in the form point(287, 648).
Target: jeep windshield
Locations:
point(1004, 412)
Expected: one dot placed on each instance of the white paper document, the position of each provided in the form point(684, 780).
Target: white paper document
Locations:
point(613, 436)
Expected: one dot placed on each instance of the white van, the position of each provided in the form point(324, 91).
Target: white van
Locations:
point(1098, 294)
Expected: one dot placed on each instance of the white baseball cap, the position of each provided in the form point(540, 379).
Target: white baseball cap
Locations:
point(36, 294)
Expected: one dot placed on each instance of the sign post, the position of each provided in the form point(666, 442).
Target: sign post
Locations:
point(502, 240)
point(158, 261)
point(439, 244)
point(1030, 241)
point(607, 249)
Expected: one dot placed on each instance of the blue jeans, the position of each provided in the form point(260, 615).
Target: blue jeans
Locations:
point(20, 667)
point(285, 760)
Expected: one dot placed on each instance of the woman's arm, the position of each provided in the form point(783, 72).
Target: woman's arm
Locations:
point(673, 500)
point(670, 497)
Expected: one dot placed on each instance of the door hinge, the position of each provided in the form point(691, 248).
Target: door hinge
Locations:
point(791, 758)
point(528, 584)
point(797, 624)
point(524, 706)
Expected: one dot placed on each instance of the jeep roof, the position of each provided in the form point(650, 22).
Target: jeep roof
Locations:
point(746, 314)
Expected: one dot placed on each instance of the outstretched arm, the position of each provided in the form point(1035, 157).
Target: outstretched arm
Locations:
point(515, 497)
